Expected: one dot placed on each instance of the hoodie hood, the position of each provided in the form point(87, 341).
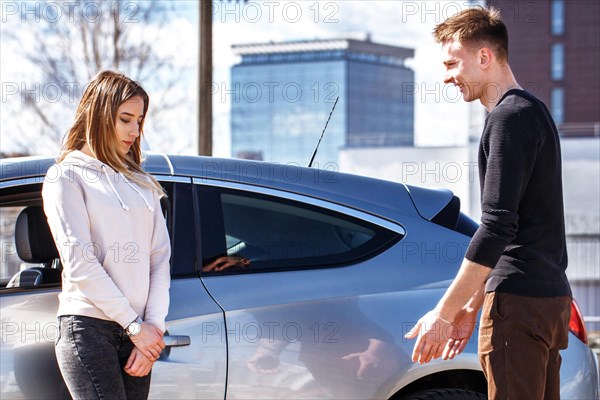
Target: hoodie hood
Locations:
point(80, 159)
point(96, 169)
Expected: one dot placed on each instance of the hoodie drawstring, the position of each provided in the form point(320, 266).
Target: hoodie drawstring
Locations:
point(125, 206)
point(150, 208)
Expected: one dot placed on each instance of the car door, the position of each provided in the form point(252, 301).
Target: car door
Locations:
point(28, 324)
point(288, 271)
point(193, 365)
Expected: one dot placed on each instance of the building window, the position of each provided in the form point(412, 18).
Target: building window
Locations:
point(558, 61)
point(558, 105)
point(558, 17)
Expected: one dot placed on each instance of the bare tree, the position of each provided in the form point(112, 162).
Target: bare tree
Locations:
point(76, 39)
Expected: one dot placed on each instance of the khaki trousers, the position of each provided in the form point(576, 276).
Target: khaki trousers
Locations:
point(519, 342)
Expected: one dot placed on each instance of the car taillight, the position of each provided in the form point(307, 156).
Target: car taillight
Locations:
point(576, 324)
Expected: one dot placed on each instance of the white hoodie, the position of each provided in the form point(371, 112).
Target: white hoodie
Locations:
point(113, 242)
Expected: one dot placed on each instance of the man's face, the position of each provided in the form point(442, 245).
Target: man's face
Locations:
point(462, 70)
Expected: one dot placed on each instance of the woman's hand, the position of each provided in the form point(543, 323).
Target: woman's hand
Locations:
point(138, 364)
point(149, 341)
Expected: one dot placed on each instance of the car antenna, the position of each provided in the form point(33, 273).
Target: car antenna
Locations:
point(322, 133)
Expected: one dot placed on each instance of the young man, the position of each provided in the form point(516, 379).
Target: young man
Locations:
point(515, 264)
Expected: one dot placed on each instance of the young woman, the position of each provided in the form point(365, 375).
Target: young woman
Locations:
point(105, 216)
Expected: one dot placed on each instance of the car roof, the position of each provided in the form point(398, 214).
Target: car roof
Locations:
point(36, 166)
point(381, 197)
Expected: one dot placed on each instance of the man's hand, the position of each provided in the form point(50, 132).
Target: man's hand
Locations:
point(432, 333)
point(440, 338)
point(138, 364)
point(437, 336)
point(461, 333)
point(149, 341)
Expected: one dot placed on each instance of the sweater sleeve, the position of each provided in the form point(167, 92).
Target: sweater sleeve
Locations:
point(157, 306)
point(69, 223)
point(511, 142)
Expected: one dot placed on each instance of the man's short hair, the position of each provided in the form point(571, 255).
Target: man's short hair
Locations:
point(476, 26)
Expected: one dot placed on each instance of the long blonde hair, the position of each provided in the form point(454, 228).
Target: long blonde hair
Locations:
point(95, 126)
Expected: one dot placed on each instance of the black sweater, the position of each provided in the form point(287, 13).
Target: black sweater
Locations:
point(522, 231)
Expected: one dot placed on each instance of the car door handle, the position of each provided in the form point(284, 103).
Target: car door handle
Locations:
point(176, 340)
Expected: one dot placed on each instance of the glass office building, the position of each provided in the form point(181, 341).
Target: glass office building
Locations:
point(282, 94)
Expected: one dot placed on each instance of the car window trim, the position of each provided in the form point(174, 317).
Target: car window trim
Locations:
point(172, 178)
point(40, 179)
point(384, 223)
point(22, 181)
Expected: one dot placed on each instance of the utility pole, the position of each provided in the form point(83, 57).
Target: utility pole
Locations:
point(205, 80)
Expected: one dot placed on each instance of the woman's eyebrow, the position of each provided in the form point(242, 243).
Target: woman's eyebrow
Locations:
point(130, 114)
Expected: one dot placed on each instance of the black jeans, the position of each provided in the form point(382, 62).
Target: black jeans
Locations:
point(91, 354)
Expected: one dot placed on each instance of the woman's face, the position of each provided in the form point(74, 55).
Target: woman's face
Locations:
point(129, 118)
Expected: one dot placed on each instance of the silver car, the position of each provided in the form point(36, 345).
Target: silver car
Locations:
point(287, 283)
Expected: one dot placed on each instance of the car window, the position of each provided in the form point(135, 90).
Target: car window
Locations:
point(182, 229)
point(14, 199)
point(243, 231)
point(10, 263)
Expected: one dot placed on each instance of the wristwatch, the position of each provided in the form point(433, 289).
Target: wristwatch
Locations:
point(134, 327)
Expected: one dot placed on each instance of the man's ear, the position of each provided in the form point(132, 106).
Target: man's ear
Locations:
point(485, 56)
